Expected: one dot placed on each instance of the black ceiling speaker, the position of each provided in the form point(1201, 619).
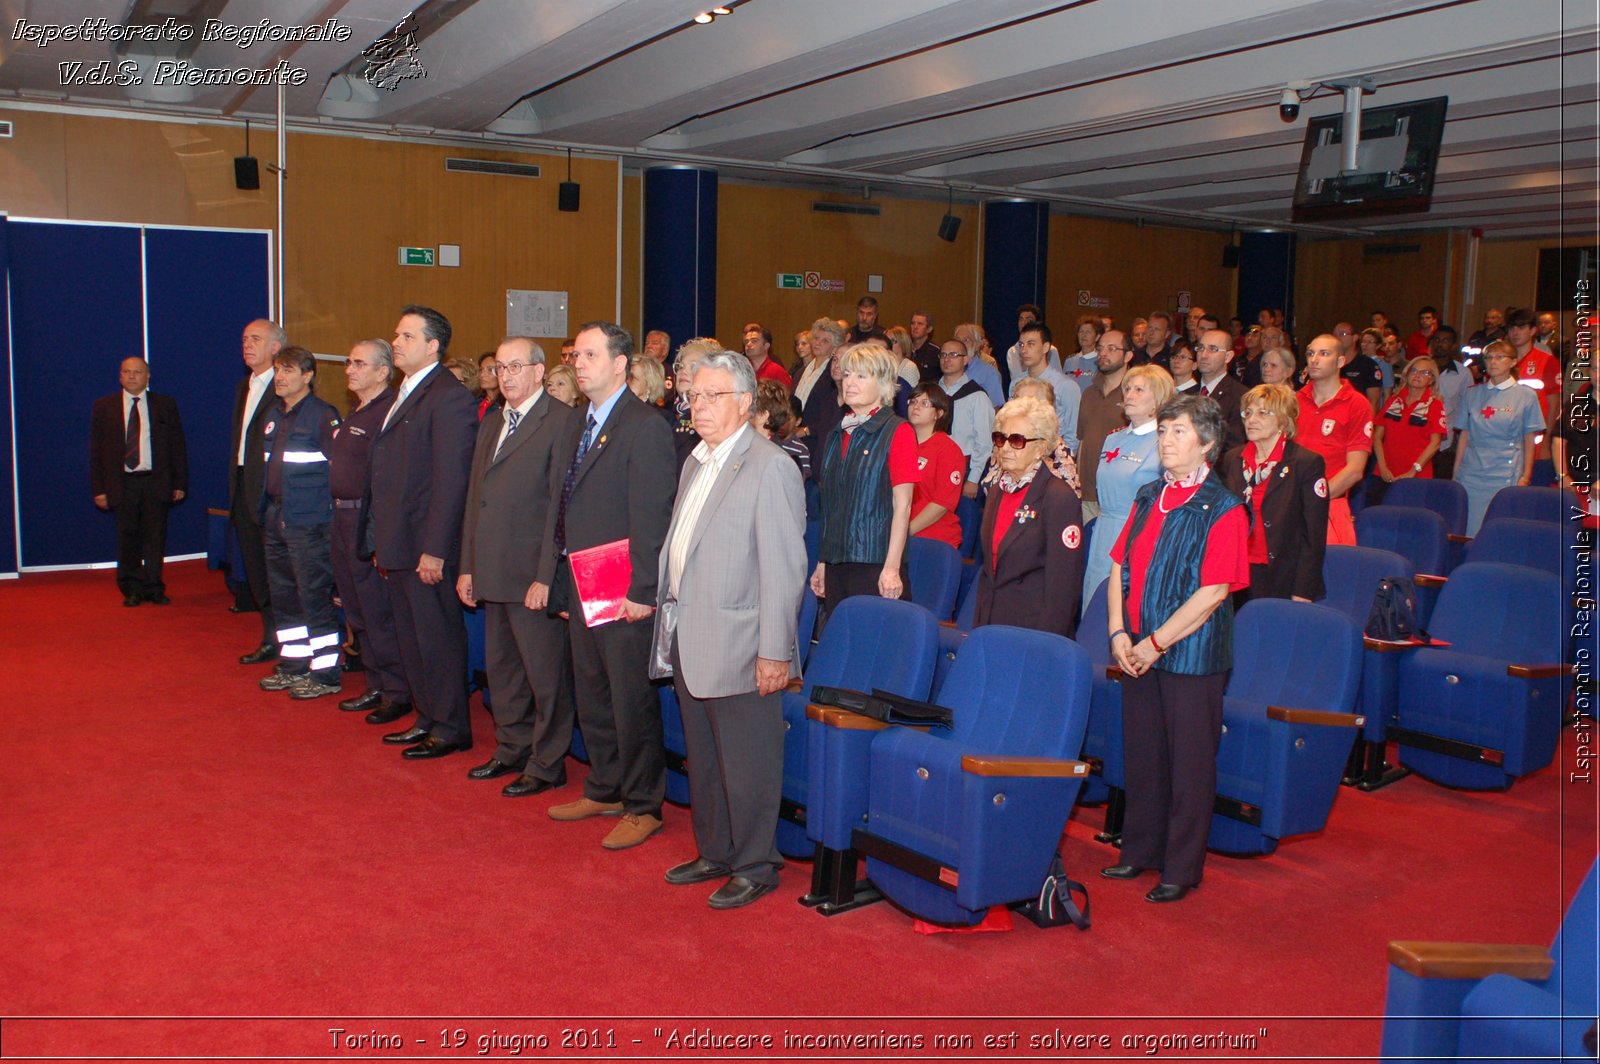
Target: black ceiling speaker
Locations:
point(567, 194)
point(949, 225)
point(1230, 256)
point(246, 172)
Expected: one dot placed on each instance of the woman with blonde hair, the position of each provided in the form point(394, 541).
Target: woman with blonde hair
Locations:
point(900, 345)
point(1127, 460)
point(561, 381)
point(1409, 429)
point(867, 476)
point(1030, 555)
point(1285, 486)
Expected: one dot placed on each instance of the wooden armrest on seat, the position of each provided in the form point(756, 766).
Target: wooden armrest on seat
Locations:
point(844, 719)
point(1456, 537)
point(796, 684)
point(1385, 647)
point(1114, 672)
point(1470, 960)
point(216, 511)
point(947, 624)
point(1539, 672)
point(1316, 716)
point(987, 765)
point(1429, 580)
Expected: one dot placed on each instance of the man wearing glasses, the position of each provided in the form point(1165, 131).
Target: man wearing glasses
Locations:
point(516, 465)
point(1212, 356)
point(366, 607)
point(618, 479)
point(1100, 410)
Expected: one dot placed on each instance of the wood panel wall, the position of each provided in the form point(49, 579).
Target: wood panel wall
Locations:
point(1346, 280)
point(1137, 268)
point(351, 203)
point(632, 317)
point(764, 230)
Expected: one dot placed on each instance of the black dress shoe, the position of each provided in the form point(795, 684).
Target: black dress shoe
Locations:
point(365, 700)
point(1167, 892)
point(738, 892)
point(158, 599)
point(1122, 871)
point(432, 747)
point(260, 655)
point(492, 769)
point(131, 600)
point(526, 786)
point(698, 870)
point(388, 713)
point(414, 734)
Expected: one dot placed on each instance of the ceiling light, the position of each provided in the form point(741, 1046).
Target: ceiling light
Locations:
point(721, 11)
point(704, 17)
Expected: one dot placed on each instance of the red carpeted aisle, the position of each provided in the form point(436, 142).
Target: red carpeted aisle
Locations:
point(176, 842)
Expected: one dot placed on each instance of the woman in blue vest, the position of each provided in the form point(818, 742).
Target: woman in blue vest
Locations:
point(869, 471)
point(1182, 553)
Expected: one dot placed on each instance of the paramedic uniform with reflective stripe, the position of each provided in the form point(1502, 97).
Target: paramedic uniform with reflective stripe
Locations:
point(1497, 420)
point(296, 511)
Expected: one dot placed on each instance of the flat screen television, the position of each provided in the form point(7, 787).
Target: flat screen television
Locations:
point(1396, 162)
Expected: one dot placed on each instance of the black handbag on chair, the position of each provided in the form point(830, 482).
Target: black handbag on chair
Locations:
point(1394, 612)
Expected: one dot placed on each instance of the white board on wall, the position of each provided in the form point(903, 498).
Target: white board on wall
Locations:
point(535, 313)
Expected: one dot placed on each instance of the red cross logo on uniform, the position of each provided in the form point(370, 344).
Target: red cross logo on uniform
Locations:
point(1488, 412)
point(1110, 456)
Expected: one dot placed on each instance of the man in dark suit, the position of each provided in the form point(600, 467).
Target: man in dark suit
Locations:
point(138, 467)
point(520, 460)
point(1212, 355)
point(619, 480)
point(252, 402)
point(729, 587)
point(420, 463)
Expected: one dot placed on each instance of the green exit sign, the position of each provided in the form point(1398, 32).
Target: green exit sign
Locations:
point(416, 256)
point(791, 280)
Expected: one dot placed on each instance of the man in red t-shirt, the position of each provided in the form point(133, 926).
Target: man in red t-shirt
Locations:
point(1536, 367)
point(1417, 342)
point(758, 349)
point(1336, 422)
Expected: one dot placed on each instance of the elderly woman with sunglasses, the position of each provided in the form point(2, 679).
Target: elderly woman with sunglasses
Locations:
point(1030, 560)
point(1179, 559)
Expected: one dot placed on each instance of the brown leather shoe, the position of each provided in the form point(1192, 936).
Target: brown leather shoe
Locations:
point(633, 830)
point(583, 809)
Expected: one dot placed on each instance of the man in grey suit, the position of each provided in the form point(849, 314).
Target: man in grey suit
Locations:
point(504, 552)
point(731, 576)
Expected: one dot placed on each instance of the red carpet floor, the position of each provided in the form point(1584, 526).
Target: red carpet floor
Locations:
point(177, 843)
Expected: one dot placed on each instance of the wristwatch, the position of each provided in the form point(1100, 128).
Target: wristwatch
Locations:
point(1416, 467)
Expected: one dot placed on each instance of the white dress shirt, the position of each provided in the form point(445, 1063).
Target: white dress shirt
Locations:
point(408, 386)
point(693, 500)
point(260, 383)
point(522, 409)
point(145, 465)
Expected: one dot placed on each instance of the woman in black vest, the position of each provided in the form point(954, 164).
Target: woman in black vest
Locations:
point(869, 471)
point(1180, 556)
point(1287, 489)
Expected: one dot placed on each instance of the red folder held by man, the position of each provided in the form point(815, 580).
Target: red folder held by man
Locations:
point(600, 577)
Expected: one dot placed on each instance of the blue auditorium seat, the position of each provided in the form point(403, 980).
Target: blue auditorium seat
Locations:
point(1555, 505)
point(1457, 1001)
point(1444, 497)
point(1486, 709)
point(1102, 741)
point(951, 638)
point(1288, 723)
point(967, 603)
point(935, 570)
point(962, 819)
point(477, 653)
point(870, 644)
point(1420, 536)
point(1543, 545)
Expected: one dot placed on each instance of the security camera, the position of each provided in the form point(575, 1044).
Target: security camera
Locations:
point(1289, 105)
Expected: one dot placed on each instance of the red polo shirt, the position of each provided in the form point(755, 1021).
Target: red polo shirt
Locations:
point(771, 371)
point(1541, 372)
point(1407, 428)
point(1337, 427)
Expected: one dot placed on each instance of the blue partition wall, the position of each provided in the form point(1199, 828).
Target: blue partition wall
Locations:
point(84, 297)
point(680, 252)
point(196, 315)
point(8, 496)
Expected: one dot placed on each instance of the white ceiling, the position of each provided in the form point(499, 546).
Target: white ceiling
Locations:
point(1164, 109)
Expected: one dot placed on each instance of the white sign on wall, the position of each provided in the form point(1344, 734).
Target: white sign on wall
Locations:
point(534, 313)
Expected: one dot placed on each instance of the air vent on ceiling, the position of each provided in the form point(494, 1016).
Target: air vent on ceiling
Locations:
point(490, 166)
point(868, 209)
point(5, 129)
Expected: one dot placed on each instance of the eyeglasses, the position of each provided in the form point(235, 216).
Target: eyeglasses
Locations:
point(513, 368)
point(692, 398)
point(1255, 412)
point(1016, 440)
point(919, 401)
point(1112, 347)
point(1215, 350)
point(357, 363)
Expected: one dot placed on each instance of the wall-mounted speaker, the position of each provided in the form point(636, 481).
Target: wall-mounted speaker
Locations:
point(567, 196)
point(949, 226)
point(246, 172)
point(1230, 257)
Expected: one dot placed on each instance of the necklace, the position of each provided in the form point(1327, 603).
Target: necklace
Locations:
point(1161, 500)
